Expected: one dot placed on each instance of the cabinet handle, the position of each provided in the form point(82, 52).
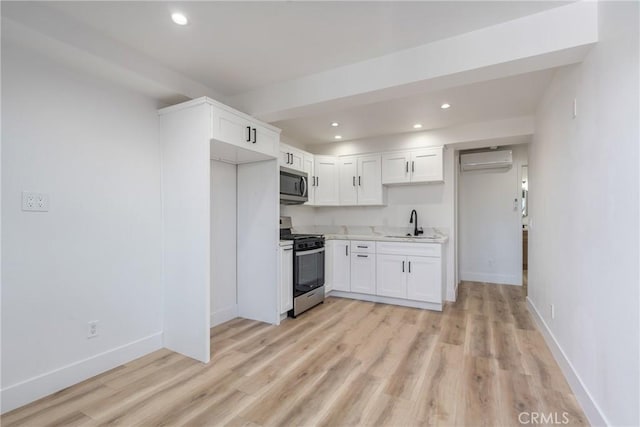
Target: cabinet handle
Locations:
point(403, 266)
point(248, 133)
point(354, 181)
point(413, 166)
point(363, 256)
point(359, 181)
point(346, 250)
point(317, 181)
point(363, 247)
point(409, 266)
point(407, 167)
point(255, 135)
point(289, 249)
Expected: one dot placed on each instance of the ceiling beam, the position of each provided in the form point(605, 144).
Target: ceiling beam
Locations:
point(548, 39)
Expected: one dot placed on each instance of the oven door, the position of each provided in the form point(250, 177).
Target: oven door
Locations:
point(308, 271)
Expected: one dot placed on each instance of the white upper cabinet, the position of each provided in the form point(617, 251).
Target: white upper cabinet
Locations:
point(308, 166)
point(291, 157)
point(395, 168)
point(370, 190)
point(427, 165)
point(326, 181)
point(242, 131)
point(424, 165)
point(360, 180)
point(348, 172)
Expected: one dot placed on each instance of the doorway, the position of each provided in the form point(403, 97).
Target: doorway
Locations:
point(490, 221)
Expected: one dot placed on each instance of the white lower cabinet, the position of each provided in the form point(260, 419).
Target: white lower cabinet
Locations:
point(410, 270)
point(339, 265)
point(424, 279)
point(391, 280)
point(363, 273)
point(286, 278)
point(410, 273)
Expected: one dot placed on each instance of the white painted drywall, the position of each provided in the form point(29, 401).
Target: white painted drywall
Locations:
point(258, 237)
point(583, 213)
point(224, 304)
point(92, 146)
point(490, 230)
point(186, 224)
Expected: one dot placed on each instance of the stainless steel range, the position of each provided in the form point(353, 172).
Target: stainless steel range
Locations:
point(308, 267)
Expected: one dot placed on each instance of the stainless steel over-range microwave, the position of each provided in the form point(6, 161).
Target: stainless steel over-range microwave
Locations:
point(293, 187)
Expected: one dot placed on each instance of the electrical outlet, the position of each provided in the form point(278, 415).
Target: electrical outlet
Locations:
point(35, 202)
point(553, 311)
point(93, 329)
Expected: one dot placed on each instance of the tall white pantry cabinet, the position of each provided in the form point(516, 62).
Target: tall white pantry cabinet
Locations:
point(191, 135)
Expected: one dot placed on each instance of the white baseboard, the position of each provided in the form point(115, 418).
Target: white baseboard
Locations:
point(387, 300)
point(590, 407)
point(223, 315)
point(501, 279)
point(43, 385)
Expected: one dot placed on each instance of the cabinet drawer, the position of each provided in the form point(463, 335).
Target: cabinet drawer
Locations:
point(363, 246)
point(401, 248)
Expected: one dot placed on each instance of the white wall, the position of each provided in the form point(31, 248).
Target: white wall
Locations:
point(583, 237)
point(96, 255)
point(224, 304)
point(490, 230)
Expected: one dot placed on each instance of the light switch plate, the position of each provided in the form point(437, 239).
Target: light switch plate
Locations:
point(35, 202)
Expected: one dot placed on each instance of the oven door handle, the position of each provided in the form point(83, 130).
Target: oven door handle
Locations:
point(314, 251)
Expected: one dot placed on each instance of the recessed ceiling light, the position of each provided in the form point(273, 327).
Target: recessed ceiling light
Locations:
point(179, 19)
point(335, 124)
point(338, 137)
point(417, 126)
point(445, 106)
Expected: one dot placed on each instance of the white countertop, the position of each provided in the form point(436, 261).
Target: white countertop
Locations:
point(389, 238)
point(285, 243)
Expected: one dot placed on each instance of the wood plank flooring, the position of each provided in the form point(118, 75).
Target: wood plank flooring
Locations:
point(479, 363)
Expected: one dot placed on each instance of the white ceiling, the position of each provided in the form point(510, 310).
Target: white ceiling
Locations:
point(495, 99)
point(237, 46)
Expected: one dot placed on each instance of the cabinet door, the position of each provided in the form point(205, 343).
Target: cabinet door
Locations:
point(264, 140)
point(363, 273)
point(326, 169)
point(391, 276)
point(231, 128)
point(395, 168)
point(308, 167)
point(369, 180)
point(427, 165)
point(348, 181)
point(296, 160)
point(340, 269)
point(424, 279)
point(286, 279)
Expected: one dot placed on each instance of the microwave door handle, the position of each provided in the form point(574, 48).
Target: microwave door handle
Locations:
point(303, 186)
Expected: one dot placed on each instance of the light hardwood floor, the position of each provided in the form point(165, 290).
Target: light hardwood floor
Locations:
point(479, 363)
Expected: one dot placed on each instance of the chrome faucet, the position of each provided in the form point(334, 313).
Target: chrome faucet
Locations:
point(416, 231)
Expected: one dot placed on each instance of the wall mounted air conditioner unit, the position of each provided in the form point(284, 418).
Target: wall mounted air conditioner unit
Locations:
point(502, 159)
